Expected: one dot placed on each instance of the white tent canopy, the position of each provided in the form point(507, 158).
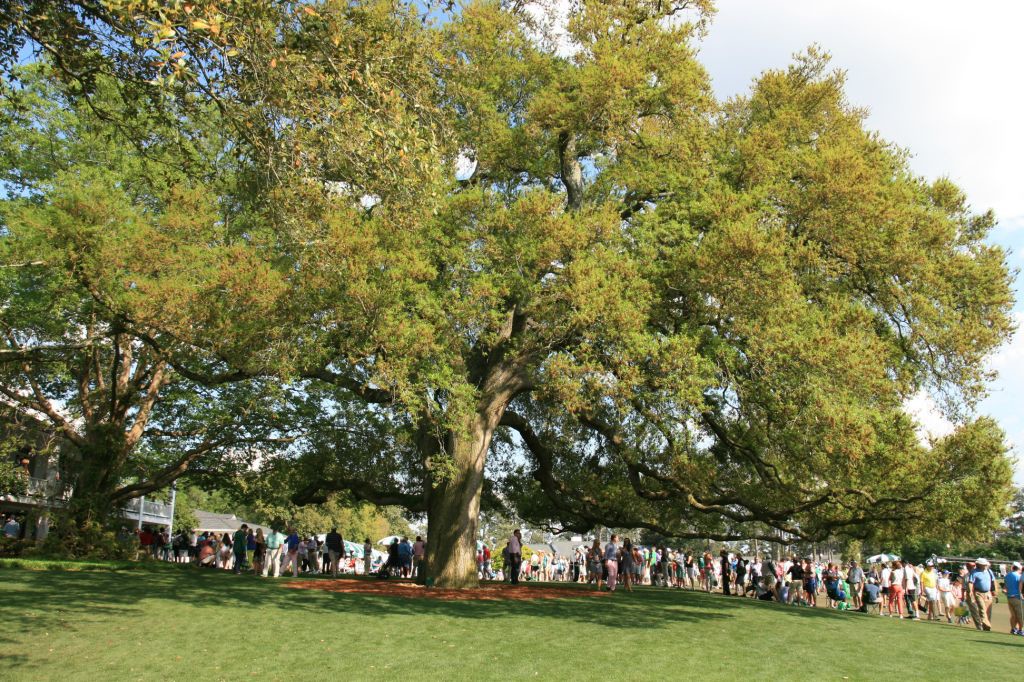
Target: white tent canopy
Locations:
point(882, 558)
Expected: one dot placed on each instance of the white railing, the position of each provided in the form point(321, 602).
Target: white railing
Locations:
point(49, 492)
point(156, 509)
point(47, 489)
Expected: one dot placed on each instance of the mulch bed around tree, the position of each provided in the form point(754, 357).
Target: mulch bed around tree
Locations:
point(401, 588)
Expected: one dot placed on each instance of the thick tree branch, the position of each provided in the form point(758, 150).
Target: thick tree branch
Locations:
point(316, 493)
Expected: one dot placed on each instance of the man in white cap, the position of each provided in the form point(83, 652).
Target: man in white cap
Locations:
point(1013, 599)
point(982, 587)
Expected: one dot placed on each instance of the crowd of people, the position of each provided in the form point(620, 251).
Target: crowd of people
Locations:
point(896, 589)
point(252, 550)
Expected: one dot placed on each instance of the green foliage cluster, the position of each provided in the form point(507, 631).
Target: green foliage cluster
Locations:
point(13, 480)
point(69, 539)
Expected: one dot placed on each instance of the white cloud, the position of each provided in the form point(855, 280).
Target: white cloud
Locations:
point(551, 17)
point(939, 80)
point(465, 164)
point(1003, 401)
point(931, 422)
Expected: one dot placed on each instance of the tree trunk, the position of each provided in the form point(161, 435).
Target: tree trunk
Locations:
point(453, 506)
point(94, 476)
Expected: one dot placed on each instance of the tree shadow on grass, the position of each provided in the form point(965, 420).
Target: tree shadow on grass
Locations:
point(61, 599)
point(1012, 644)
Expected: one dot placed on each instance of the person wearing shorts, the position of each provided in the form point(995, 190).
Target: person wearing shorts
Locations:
point(811, 589)
point(929, 579)
point(886, 581)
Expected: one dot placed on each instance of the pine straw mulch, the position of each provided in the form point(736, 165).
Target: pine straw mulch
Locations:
point(407, 589)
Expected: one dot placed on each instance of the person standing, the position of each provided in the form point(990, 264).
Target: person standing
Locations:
point(419, 550)
point(946, 598)
point(335, 549)
point(611, 561)
point(250, 546)
point(886, 578)
point(1012, 582)
point(627, 565)
point(405, 558)
point(596, 563)
point(291, 544)
point(240, 545)
point(768, 575)
point(367, 557)
point(273, 558)
point(796, 577)
point(259, 554)
point(910, 585)
point(896, 589)
point(855, 576)
point(741, 577)
point(515, 555)
point(930, 589)
point(726, 567)
point(225, 551)
point(981, 587)
point(12, 529)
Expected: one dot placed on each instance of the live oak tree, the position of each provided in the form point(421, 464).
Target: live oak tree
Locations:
point(548, 270)
point(704, 320)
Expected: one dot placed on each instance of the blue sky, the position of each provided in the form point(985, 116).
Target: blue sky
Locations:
point(939, 78)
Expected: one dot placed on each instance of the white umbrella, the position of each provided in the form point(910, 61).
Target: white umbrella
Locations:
point(389, 539)
point(882, 558)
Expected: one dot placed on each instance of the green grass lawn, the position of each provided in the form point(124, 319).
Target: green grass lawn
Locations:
point(179, 623)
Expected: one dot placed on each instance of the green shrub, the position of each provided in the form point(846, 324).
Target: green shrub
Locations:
point(93, 541)
point(13, 480)
point(14, 547)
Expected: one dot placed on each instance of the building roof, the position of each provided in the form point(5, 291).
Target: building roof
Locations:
point(222, 523)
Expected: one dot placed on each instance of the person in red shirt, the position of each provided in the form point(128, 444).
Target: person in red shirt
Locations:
point(146, 538)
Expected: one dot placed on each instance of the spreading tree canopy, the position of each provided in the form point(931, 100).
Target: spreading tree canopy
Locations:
point(547, 270)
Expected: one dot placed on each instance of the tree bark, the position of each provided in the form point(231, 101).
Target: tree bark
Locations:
point(453, 505)
point(92, 476)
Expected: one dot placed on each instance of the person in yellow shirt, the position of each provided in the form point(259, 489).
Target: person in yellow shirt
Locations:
point(930, 587)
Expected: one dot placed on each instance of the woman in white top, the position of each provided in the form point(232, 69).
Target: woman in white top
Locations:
point(911, 585)
point(611, 560)
point(896, 589)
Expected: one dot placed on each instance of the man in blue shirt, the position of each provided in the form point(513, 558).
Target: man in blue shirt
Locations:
point(405, 557)
point(1012, 581)
point(292, 558)
point(982, 586)
point(870, 601)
